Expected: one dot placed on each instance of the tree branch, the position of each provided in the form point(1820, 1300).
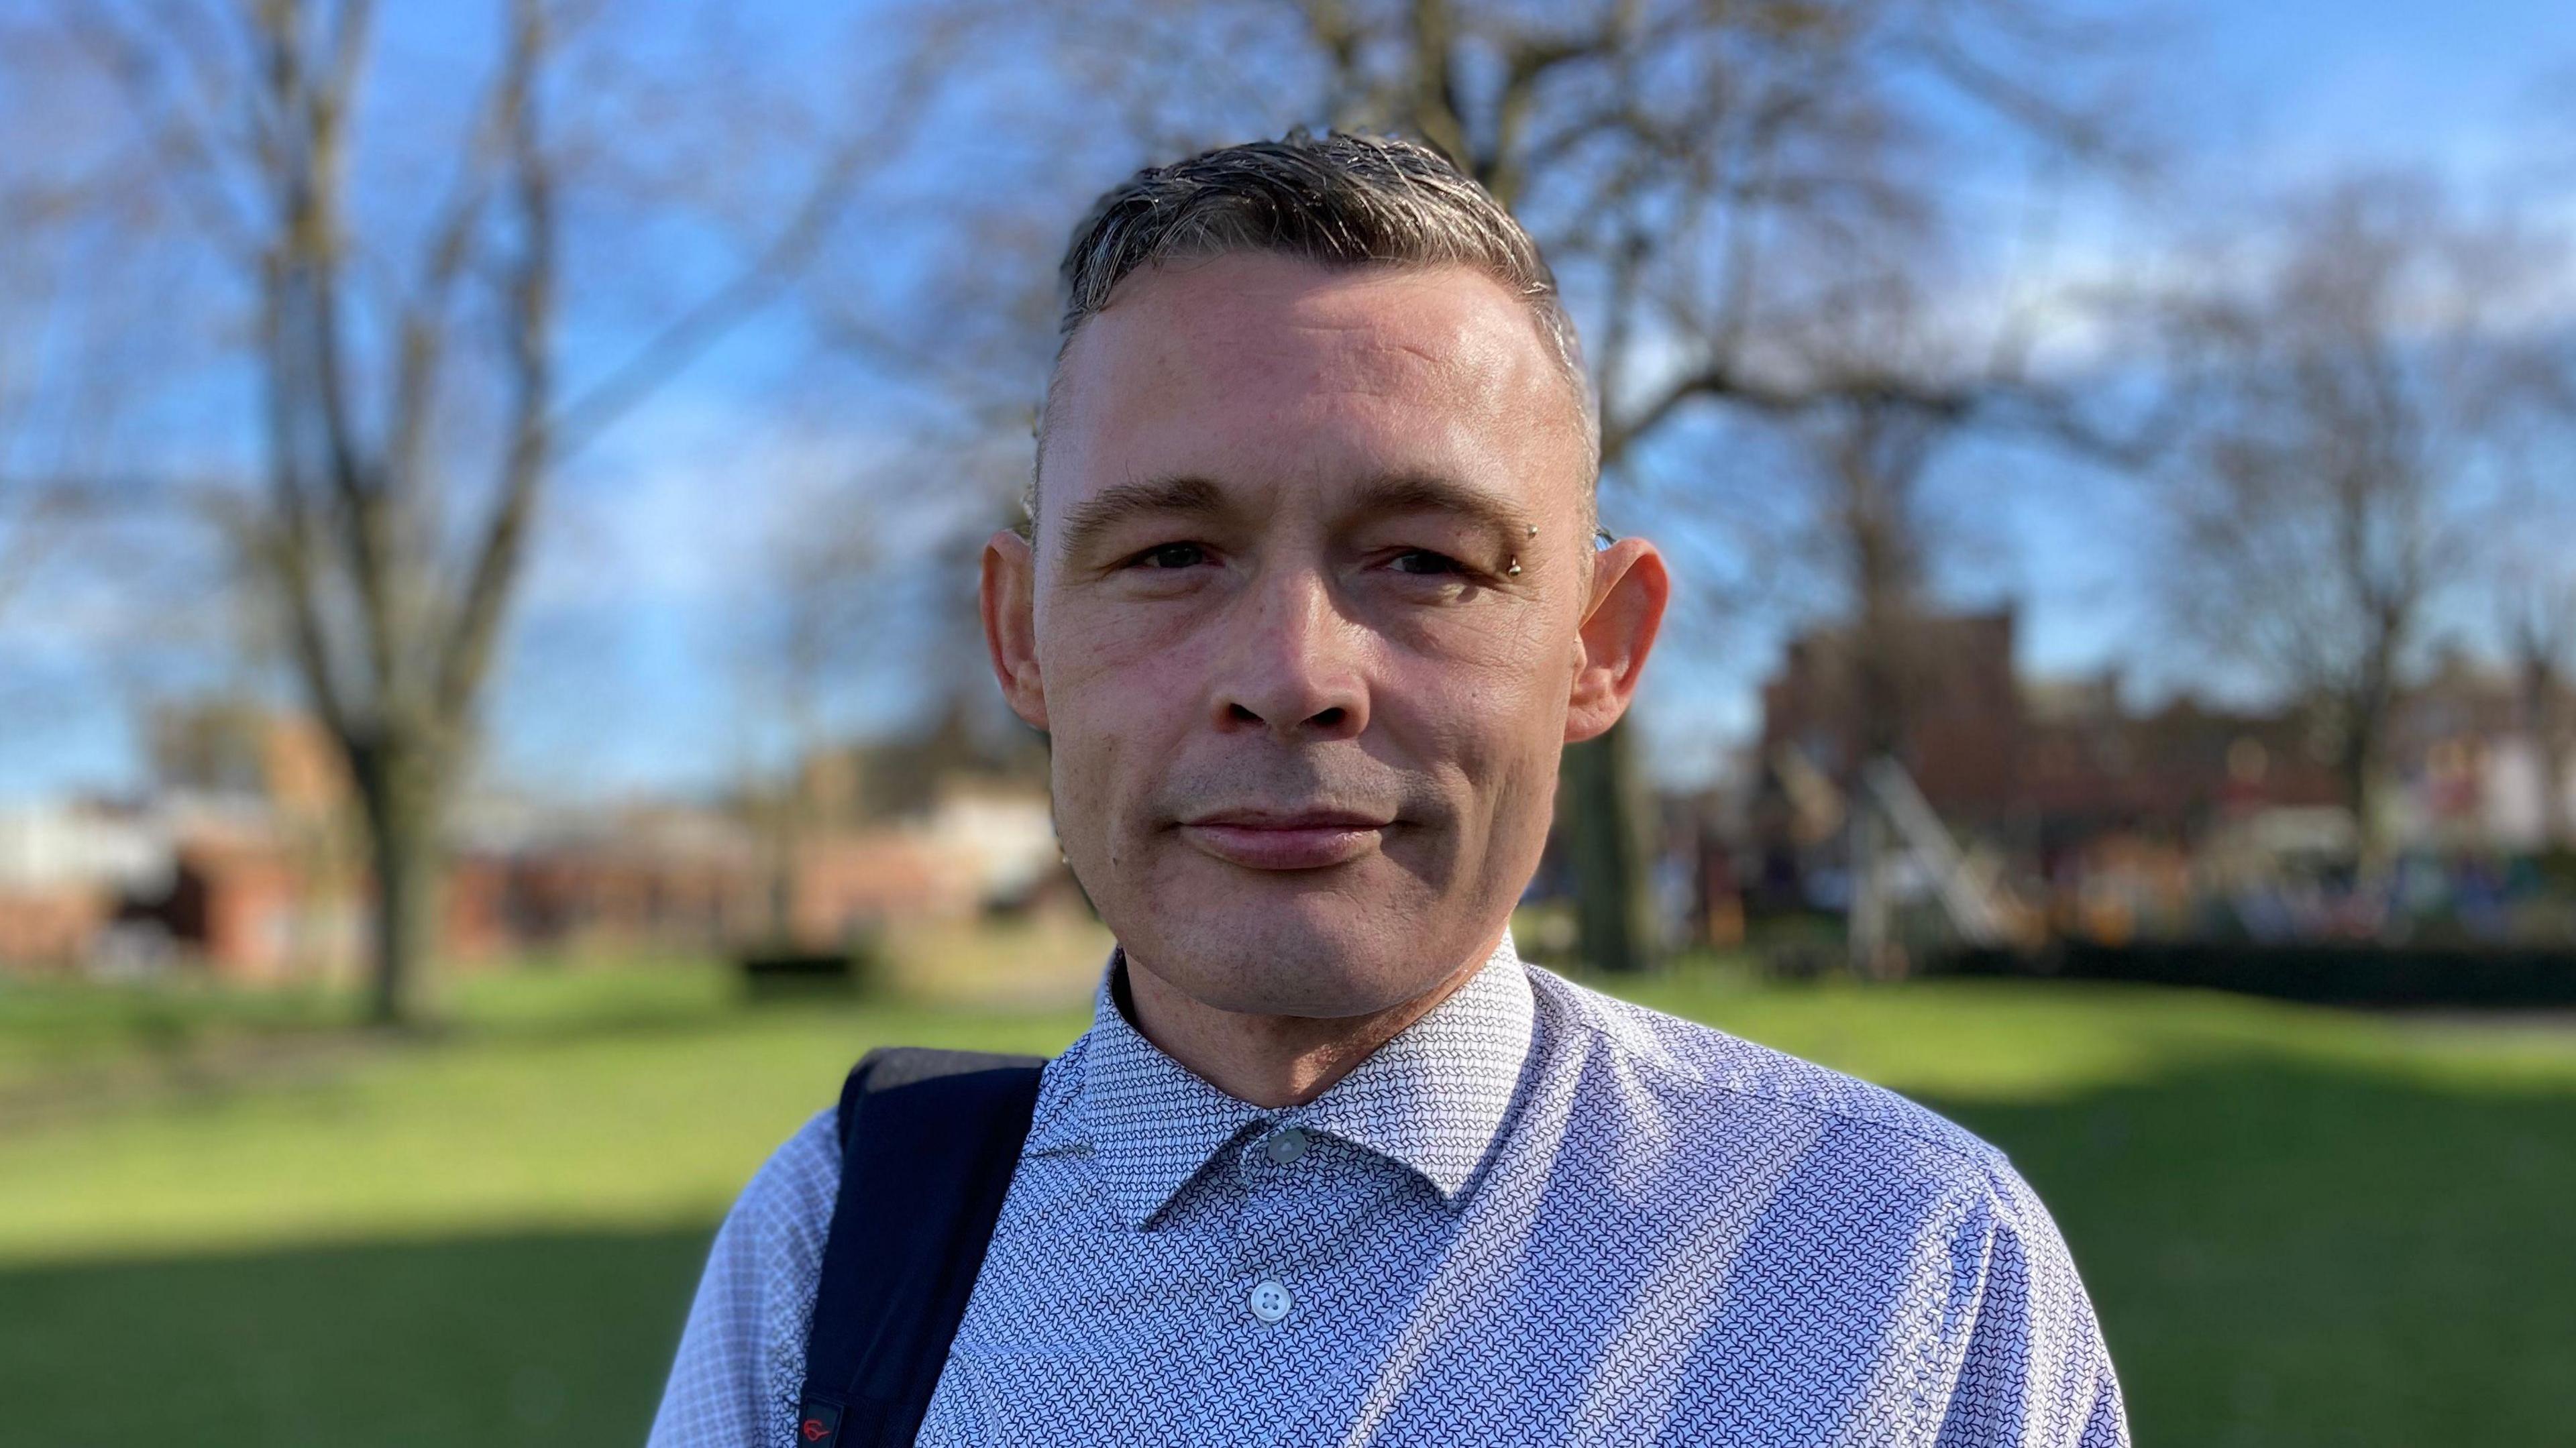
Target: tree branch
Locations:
point(465, 654)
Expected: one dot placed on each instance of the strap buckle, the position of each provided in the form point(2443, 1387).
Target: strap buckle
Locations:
point(818, 1423)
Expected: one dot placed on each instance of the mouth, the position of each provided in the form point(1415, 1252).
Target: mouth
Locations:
point(1285, 839)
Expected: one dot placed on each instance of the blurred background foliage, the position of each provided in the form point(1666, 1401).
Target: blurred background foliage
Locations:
point(492, 719)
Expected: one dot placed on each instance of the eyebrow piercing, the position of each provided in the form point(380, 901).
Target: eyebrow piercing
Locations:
point(1515, 569)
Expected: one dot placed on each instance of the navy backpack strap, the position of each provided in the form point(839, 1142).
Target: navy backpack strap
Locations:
point(929, 1140)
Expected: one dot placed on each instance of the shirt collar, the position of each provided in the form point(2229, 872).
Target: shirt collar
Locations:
point(1433, 1098)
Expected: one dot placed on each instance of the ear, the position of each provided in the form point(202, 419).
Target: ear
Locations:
point(1009, 599)
point(1629, 590)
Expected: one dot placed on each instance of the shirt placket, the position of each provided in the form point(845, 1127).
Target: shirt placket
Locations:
point(1278, 1324)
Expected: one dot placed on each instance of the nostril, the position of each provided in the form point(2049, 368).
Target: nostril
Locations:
point(1330, 718)
point(1241, 715)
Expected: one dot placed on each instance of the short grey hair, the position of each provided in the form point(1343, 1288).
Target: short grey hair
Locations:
point(1339, 199)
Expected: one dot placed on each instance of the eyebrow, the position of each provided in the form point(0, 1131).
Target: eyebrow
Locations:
point(1432, 493)
point(1086, 522)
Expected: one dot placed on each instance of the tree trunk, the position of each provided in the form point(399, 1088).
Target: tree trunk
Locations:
point(1865, 921)
point(2554, 832)
point(1608, 854)
point(2539, 720)
point(2361, 744)
point(787, 833)
point(403, 849)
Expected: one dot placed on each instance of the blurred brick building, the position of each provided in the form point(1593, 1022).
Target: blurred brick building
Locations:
point(2057, 783)
point(2112, 814)
point(242, 861)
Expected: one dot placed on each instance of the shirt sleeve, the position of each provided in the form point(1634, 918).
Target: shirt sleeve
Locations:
point(2036, 1373)
point(741, 1361)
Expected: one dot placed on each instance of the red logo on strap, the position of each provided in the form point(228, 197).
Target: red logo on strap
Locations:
point(814, 1430)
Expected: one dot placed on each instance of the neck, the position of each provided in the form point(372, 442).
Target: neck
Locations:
point(1274, 1061)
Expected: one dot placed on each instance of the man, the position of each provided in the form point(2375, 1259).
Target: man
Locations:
point(1308, 604)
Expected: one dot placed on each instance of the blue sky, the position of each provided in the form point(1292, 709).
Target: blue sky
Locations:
point(618, 680)
point(2316, 84)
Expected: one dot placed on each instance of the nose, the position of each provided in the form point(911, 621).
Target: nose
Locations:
point(1291, 664)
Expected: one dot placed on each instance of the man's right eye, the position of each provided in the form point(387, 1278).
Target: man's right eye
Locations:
point(1170, 555)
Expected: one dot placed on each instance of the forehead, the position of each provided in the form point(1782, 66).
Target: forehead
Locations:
point(1253, 368)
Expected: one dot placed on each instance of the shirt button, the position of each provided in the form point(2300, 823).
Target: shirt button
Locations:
point(1287, 1146)
point(1270, 1300)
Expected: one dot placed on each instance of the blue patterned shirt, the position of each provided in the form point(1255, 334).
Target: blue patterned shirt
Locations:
point(1539, 1215)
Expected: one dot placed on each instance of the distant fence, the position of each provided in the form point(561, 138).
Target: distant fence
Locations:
point(2349, 975)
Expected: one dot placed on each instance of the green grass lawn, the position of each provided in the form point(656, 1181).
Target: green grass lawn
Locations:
point(226, 1220)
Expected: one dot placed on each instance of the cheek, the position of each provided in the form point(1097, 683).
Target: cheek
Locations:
point(1091, 648)
point(1113, 700)
point(1491, 728)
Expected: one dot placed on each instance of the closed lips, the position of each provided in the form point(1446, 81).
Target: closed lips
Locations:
point(1302, 820)
point(1299, 840)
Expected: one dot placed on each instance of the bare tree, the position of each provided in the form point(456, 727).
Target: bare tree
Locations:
point(2355, 378)
point(29, 511)
point(412, 373)
point(2535, 584)
point(2532, 585)
point(29, 288)
point(815, 609)
point(57, 364)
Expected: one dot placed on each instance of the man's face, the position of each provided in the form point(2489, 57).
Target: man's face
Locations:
point(1305, 716)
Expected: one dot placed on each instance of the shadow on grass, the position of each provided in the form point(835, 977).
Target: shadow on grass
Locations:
point(2296, 1254)
point(2283, 1254)
point(539, 1339)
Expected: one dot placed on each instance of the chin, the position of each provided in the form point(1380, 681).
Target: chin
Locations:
point(1301, 952)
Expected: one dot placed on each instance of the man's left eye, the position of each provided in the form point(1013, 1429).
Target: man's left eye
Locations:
point(1171, 555)
point(1423, 560)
